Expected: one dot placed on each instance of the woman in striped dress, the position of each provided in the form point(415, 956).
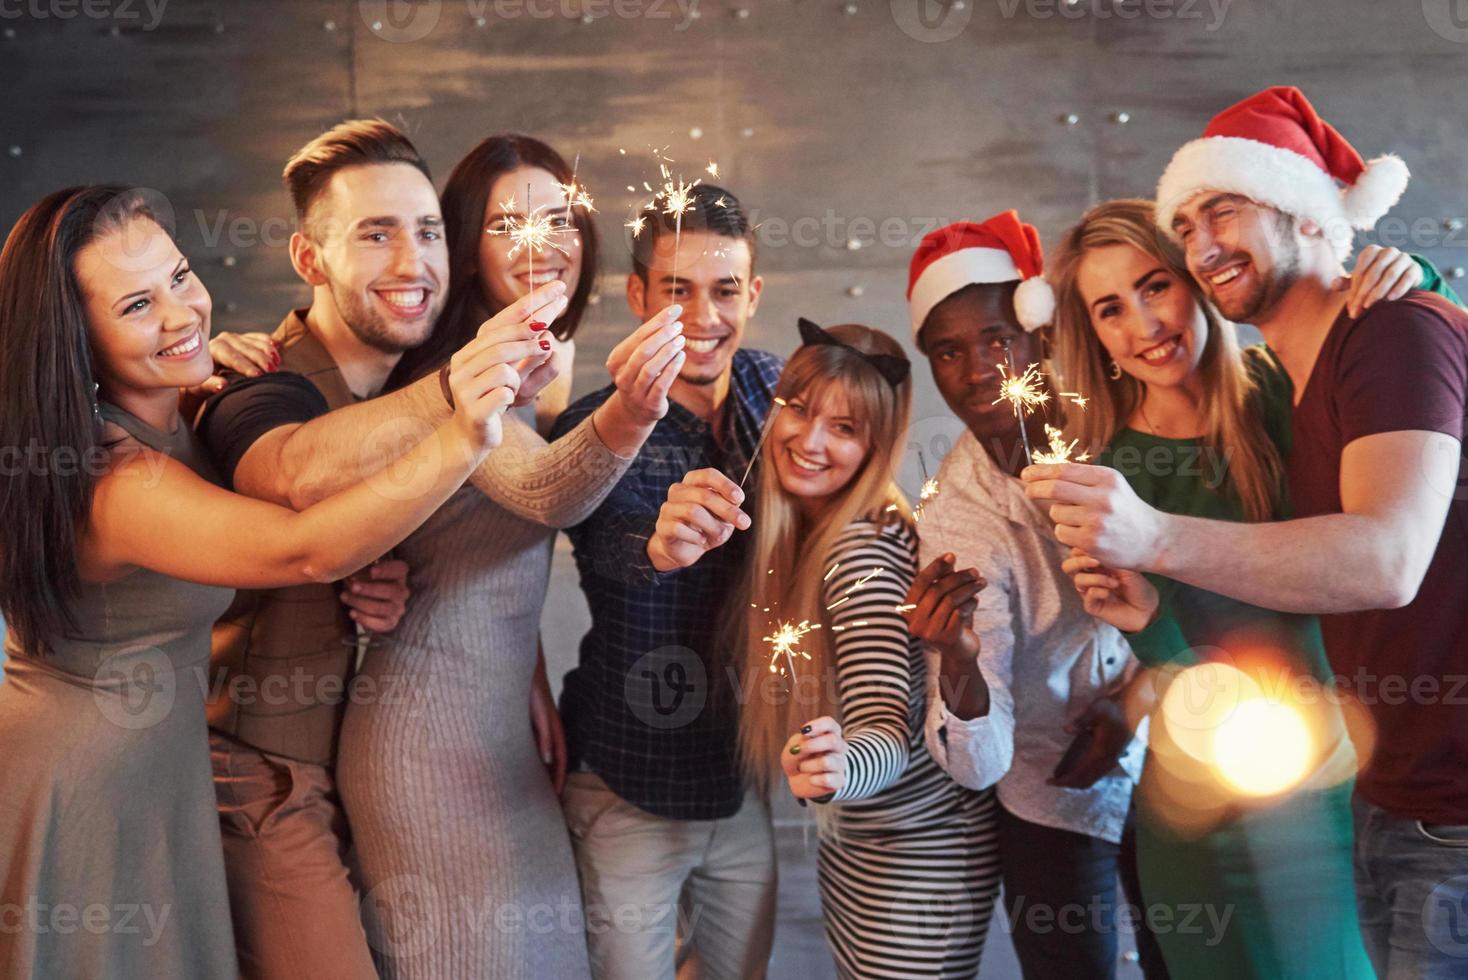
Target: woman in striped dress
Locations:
point(906, 863)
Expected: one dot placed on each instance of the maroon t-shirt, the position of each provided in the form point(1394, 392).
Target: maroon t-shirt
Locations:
point(1402, 365)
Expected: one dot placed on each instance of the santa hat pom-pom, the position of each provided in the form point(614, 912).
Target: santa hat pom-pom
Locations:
point(1378, 187)
point(1034, 303)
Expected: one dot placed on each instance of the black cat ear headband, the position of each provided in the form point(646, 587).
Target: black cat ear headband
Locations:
point(893, 369)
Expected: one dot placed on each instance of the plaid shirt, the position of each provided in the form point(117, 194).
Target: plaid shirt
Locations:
point(651, 708)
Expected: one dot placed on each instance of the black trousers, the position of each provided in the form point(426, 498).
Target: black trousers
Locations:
point(1062, 902)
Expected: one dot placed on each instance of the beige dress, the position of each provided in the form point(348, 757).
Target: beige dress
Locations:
point(110, 861)
point(464, 855)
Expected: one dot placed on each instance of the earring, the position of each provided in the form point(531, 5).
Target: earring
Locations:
point(1114, 372)
point(96, 408)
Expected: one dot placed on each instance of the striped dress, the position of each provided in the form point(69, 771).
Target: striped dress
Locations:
point(908, 862)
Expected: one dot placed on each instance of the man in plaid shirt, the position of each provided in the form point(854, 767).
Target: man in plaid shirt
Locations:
point(669, 844)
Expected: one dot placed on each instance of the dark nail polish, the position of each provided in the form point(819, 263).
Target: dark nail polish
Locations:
point(544, 344)
point(537, 325)
point(805, 729)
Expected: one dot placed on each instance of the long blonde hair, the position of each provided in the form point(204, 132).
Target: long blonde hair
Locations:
point(1233, 418)
point(785, 564)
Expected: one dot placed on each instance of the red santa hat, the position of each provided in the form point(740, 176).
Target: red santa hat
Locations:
point(1273, 148)
point(1001, 249)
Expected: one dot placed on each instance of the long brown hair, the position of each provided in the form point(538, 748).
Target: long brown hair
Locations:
point(463, 201)
point(1233, 418)
point(48, 404)
point(784, 567)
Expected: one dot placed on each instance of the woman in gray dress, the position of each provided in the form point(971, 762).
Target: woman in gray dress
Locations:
point(121, 549)
point(464, 853)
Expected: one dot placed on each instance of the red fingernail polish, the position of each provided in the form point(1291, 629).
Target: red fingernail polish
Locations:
point(537, 326)
point(544, 344)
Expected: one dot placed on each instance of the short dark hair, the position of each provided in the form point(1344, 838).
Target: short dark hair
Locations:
point(711, 209)
point(1003, 291)
point(354, 143)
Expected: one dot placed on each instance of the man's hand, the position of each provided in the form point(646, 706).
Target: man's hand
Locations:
point(377, 596)
point(1101, 736)
point(1096, 511)
point(646, 363)
point(939, 607)
point(701, 513)
point(1380, 273)
point(1122, 598)
point(545, 722)
point(814, 760)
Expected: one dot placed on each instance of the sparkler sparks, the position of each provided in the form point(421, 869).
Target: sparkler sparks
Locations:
point(1060, 450)
point(1025, 391)
point(712, 170)
point(534, 231)
point(785, 642)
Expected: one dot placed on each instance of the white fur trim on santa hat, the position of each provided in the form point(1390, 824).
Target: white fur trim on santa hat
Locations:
point(1034, 303)
point(946, 276)
point(1268, 174)
point(1376, 191)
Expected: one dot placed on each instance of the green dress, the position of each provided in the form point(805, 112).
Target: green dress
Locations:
point(1266, 891)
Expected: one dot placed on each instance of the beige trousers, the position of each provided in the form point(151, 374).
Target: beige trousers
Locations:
point(294, 906)
point(666, 899)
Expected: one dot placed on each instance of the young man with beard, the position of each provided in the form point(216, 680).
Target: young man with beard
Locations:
point(669, 842)
point(1017, 665)
point(370, 244)
point(1264, 205)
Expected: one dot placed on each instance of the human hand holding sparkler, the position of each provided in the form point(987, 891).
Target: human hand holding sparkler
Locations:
point(939, 609)
point(1097, 511)
point(1123, 598)
point(646, 363)
point(701, 513)
point(814, 759)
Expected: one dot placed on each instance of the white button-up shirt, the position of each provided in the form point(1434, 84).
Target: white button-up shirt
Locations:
point(1044, 657)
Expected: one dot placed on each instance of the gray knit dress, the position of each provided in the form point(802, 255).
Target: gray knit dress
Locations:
point(110, 861)
point(464, 857)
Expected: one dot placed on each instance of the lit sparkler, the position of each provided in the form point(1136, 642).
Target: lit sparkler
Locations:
point(1060, 450)
point(929, 489)
point(785, 642)
point(534, 231)
point(1025, 392)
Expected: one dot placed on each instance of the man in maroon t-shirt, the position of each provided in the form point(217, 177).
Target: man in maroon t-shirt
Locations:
point(1264, 205)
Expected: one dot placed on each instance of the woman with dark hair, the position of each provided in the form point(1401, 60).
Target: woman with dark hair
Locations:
point(499, 182)
point(121, 550)
point(453, 812)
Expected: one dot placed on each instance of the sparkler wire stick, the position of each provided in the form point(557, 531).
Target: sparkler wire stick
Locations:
point(764, 434)
point(1015, 399)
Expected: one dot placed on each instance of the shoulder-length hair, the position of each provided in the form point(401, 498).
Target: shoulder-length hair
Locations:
point(1233, 417)
point(785, 565)
point(48, 413)
point(464, 199)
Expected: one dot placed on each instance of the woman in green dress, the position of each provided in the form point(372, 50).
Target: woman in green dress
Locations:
point(1240, 880)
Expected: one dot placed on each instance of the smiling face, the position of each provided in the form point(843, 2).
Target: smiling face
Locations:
point(1147, 319)
point(1245, 256)
point(717, 292)
point(375, 240)
point(964, 339)
point(147, 313)
point(818, 446)
point(504, 278)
